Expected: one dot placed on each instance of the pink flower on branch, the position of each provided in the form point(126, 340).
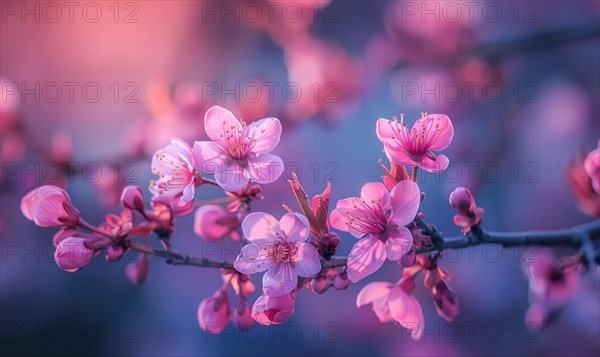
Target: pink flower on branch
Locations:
point(394, 302)
point(592, 167)
point(239, 153)
point(380, 215)
point(49, 206)
point(175, 164)
point(415, 147)
point(73, 253)
point(277, 247)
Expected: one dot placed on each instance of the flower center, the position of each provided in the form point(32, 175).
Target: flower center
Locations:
point(283, 251)
point(369, 217)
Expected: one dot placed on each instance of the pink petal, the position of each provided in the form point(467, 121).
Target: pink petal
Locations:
point(71, 254)
point(339, 221)
point(398, 155)
point(374, 193)
point(406, 198)
point(406, 310)
point(438, 131)
point(295, 226)
point(266, 133)
point(387, 130)
point(381, 308)
point(260, 227)
point(438, 165)
point(209, 156)
point(307, 261)
point(264, 168)
point(252, 259)
point(230, 176)
point(214, 222)
point(279, 280)
point(399, 243)
point(373, 291)
point(220, 124)
point(366, 257)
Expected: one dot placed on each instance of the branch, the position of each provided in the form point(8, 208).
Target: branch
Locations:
point(175, 258)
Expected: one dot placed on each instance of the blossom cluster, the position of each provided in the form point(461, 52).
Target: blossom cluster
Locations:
point(298, 250)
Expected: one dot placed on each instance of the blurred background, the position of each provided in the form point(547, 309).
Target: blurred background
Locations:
point(89, 90)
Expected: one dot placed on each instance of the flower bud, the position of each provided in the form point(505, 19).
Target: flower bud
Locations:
point(214, 313)
point(133, 198)
point(317, 284)
point(114, 253)
point(72, 254)
point(49, 206)
point(273, 310)
point(445, 301)
point(462, 200)
point(341, 281)
point(242, 314)
point(137, 272)
point(214, 222)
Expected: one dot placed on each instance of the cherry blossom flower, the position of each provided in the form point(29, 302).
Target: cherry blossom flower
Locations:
point(279, 248)
point(175, 166)
point(214, 222)
point(49, 206)
point(239, 153)
point(273, 310)
point(592, 167)
point(214, 313)
point(394, 302)
point(550, 286)
point(380, 215)
point(72, 254)
point(415, 147)
point(469, 215)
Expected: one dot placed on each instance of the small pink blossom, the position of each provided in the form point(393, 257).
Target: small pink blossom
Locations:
point(214, 313)
point(277, 247)
point(273, 310)
point(380, 215)
point(133, 198)
point(72, 254)
point(175, 166)
point(592, 167)
point(469, 215)
point(415, 147)
point(581, 184)
point(394, 302)
point(214, 222)
point(239, 153)
point(137, 271)
point(49, 206)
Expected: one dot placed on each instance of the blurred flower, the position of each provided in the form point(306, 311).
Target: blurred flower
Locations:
point(273, 310)
point(214, 222)
point(550, 286)
point(175, 166)
point(380, 215)
point(592, 167)
point(49, 206)
point(241, 283)
point(332, 83)
point(239, 153)
point(582, 187)
point(341, 281)
point(415, 147)
point(394, 302)
point(72, 254)
point(214, 312)
point(469, 215)
point(137, 271)
point(279, 248)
